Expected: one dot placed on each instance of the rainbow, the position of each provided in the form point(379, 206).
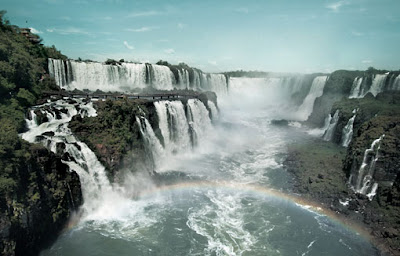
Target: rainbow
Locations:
point(264, 192)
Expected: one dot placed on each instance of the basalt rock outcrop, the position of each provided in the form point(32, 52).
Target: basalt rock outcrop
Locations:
point(332, 176)
point(44, 197)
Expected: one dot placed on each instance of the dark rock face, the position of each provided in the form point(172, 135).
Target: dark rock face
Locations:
point(337, 86)
point(375, 116)
point(387, 167)
point(38, 209)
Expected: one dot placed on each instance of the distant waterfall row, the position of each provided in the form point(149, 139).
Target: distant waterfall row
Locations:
point(290, 96)
point(125, 77)
point(374, 84)
point(182, 127)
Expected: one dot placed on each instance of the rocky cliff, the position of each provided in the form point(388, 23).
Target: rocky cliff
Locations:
point(361, 181)
point(37, 207)
point(354, 84)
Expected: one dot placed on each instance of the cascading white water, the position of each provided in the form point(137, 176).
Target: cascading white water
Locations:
point(396, 83)
point(153, 144)
point(57, 70)
point(125, 77)
point(295, 84)
point(218, 84)
point(328, 135)
point(180, 130)
point(272, 95)
point(97, 76)
point(162, 77)
point(316, 91)
point(204, 81)
point(199, 120)
point(378, 84)
point(196, 84)
point(81, 159)
point(356, 88)
point(363, 180)
point(347, 132)
point(173, 125)
point(214, 110)
point(184, 82)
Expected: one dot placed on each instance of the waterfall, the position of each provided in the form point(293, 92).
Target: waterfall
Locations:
point(56, 136)
point(196, 80)
point(173, 125)
point(327, 122)
point(97, 76)
point(57, 70)
point(378, 84)
point(347, 132)
point(162, 77)
point(204, 81)
point(199, 120)
point(363, 181)
point(157, 152)
point(184, 82)
point(396, 83)
point(316, 91)
point(180, 130)
point(218, 84)
point(214, 110)
point(356, 88)
point(125, 77)
point(332, 127)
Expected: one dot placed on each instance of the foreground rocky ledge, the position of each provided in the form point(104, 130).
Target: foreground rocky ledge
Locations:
point(38, 208)
point(316, 168)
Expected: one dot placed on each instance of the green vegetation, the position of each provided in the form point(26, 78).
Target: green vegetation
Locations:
point(22, 79)
point(35, 200)
point(113, 132)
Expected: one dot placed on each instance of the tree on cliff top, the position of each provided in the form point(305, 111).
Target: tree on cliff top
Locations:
point(23, 77)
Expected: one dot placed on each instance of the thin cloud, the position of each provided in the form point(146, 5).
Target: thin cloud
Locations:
point(181, 25)
point(242, 10)
point(128, 46)
point(81, 2)
point(169, 51)
point(366, 61)
point(212, 62)
point(54, 1)
point(335, 7)
point(35, 31)
point(142, 29)
point(143, 14)
point(356, 33)
point(68, 31)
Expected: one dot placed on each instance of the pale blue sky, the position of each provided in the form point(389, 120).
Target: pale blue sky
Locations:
point(269, 35)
